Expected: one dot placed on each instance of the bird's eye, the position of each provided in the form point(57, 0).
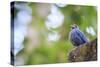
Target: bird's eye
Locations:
point(73, 27)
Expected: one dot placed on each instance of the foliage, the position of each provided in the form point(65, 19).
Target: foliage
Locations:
point(37, 48)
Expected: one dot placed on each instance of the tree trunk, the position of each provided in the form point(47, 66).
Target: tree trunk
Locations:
point(85, 52)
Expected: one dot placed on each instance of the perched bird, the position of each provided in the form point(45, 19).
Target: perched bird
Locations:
point(76, 36)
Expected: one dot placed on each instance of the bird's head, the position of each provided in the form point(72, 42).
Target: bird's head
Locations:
point(74, 26)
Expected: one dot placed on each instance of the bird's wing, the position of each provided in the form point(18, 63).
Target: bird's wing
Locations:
point(81, 35)
point(74, 38)
point(70, 37)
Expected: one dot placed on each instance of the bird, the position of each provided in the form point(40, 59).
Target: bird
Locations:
point(77, 37)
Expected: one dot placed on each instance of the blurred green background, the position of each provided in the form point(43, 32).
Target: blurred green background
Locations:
point(47, 40)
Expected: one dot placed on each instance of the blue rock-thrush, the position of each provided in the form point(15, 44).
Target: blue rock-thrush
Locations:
point(76, 36)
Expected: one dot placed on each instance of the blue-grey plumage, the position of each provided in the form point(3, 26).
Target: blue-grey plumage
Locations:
point(77, 37)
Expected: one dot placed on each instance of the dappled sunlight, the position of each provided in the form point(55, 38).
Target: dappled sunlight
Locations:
point(61, 4)
point(41, 30)
point(90, 30)
point(52, 19)
point(22, 19)
point(53, 36)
